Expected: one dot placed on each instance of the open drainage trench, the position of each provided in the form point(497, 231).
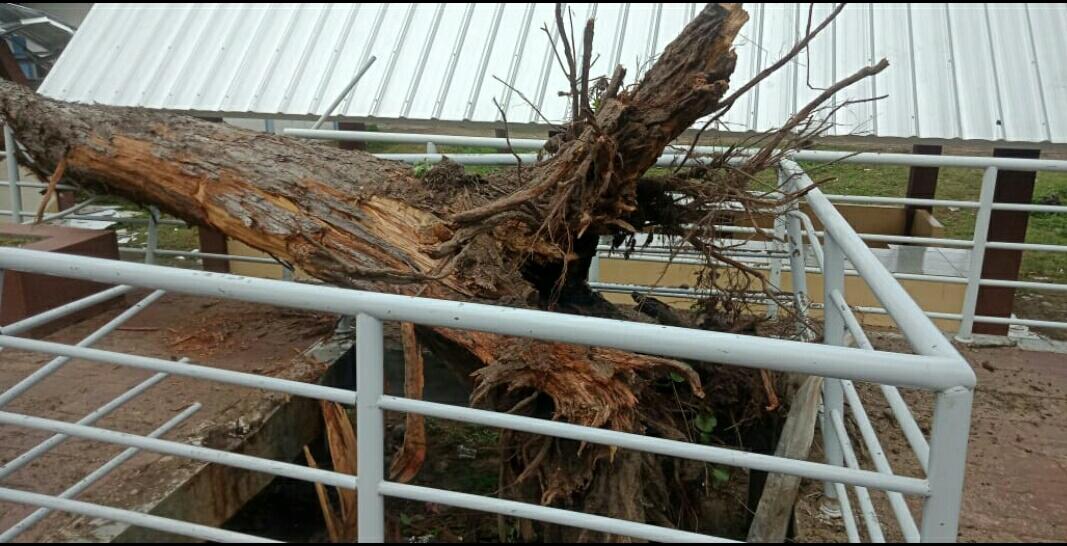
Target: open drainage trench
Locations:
point(467, 458)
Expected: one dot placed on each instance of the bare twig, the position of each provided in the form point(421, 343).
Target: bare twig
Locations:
point(727, 103)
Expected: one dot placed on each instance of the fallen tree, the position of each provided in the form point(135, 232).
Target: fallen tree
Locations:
point(521, 237)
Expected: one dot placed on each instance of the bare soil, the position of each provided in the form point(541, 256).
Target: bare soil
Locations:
point(1016, 488)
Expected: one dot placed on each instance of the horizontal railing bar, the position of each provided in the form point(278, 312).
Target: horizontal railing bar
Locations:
point(178, 449)
point(33, 453)
point(63, 213)
point(920, 160)
point(1026, 246)
point(881, 200)
point(547, 514)
point(733, 349)
point(130, 517)
point(54, 365)
point(208, 255)
point(94, 476)
point(1029, 207)
point(623, 288)
point(115, 220)
point(250, 380)
point(1033, 323)
point(414, 138)
point(1024, 284)
point(762, 265)
point(38, 185)
point(659, 446)
point(504, 159)
point(816, 156)
point(44, 317)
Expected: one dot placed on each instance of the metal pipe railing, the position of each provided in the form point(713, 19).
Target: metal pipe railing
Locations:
point(912, 433)
point(130, 517)
point(813, 156)
point(55, 364)
point(242, 379)
point(373, 308)
point(10, 148)
point(938, 367)
point(81, 485)
point(930, 371)
point(863, 496)
point(178, 449)
point(35, 452)
point(659, 446)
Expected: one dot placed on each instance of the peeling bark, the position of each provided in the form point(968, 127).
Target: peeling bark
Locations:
point(519, 238)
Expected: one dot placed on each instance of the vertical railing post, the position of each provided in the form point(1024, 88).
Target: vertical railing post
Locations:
point(594, 263)
point(11, 149)
point(948, 461)
point(981, 236)
point(153, 236)
point(797, 258)
point(431, 148)
point(776, 262)
point(370, 428)
point(833, 396)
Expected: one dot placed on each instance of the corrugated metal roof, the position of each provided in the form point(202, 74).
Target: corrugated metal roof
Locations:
point(958, 71)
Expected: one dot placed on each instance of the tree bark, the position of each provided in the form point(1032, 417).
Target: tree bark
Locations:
point(519, 238)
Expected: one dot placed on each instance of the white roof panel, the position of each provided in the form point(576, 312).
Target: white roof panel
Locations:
point(958, 71)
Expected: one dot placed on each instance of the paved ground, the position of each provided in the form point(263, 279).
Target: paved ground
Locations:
point(1017, 459)
point(229, 335)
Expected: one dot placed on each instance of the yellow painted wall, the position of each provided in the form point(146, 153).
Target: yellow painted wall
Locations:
point(938, 297)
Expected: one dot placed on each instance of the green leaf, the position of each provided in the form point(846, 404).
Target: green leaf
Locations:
point(677, 377)
point(720, 475)
point(705, 422)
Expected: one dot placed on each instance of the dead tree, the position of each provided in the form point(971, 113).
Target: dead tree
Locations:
point(521, 237)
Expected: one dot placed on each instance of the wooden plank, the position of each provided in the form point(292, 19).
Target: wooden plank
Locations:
point(775, 509)
point(922, 184)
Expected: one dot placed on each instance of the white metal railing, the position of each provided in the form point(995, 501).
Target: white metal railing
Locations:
point(936, 366)
point(940, 369)
point(977, 244)
point(967, 316)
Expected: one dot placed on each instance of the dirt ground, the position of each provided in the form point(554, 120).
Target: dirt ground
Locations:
point(229, 335)
point(1016, 488)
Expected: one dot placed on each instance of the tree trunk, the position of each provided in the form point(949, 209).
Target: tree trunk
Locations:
point(521, 238)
